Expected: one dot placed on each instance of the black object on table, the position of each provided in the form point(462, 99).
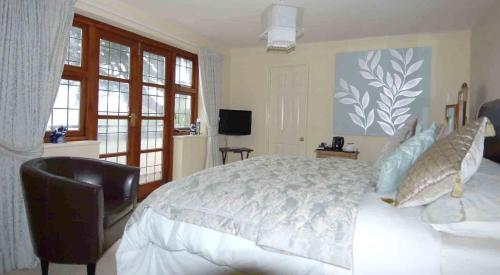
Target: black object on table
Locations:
point(236, 150)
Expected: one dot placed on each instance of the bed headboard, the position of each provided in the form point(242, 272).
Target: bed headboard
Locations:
point(492, 144)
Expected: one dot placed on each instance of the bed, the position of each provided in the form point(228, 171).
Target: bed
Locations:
point(386, 240)
point(291, 215)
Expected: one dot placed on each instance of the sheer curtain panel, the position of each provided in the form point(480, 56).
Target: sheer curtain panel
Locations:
point(211, 70)
point(33, 40)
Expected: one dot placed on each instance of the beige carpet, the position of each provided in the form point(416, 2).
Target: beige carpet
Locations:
point(105, 266)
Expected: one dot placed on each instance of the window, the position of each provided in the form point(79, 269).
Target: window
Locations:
point(183, 72)
point(185, 102)
point(128, 92)
point(68, 106)
point(66, 111)
point(74, 54)
point(182, 111)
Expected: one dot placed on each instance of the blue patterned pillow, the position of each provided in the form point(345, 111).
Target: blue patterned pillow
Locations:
point(395, 167)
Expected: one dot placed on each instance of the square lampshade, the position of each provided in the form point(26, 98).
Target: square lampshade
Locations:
point(281, 26)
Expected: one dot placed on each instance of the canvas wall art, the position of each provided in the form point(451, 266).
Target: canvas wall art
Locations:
point(377, 91)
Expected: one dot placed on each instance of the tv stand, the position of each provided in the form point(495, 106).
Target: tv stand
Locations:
point(235, 150)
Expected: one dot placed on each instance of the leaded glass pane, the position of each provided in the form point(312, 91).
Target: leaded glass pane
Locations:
point(183, 72)
point(182, 111)
point(153, 68)
point(113, 98)
point(114, 59)
point(74, 53)
point(66, 110)
point(153, 101)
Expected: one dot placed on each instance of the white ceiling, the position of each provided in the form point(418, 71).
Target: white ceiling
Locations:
point(236, 23)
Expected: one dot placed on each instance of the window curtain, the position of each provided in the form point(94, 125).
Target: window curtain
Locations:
point(211, 70)
point(33, 40)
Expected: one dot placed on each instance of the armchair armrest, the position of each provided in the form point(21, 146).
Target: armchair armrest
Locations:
point(59, 209)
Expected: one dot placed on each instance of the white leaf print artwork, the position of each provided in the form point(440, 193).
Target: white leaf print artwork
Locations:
point(396, 93)
point(350, 95)
point(381, 90)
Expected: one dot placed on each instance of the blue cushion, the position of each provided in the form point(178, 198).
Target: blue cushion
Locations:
point(396, 166)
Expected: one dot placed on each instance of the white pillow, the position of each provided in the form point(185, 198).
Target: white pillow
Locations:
point(477, 213)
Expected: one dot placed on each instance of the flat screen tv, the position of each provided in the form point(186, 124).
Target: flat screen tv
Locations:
point(235, 122)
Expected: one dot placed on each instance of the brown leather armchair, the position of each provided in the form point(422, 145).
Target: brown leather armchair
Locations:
point(77, 208)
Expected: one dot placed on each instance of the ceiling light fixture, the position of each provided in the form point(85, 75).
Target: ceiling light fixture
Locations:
point(282, 25)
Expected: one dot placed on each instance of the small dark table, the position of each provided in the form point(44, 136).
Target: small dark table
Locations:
point(236, 150)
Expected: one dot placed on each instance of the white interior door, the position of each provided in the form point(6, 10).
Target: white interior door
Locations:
point(288, 88)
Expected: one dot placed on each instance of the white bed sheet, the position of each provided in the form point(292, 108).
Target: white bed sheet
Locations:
point(469, 256)
point(386, 241)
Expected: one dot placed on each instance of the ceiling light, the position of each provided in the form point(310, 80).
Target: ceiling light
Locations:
point(282, 25)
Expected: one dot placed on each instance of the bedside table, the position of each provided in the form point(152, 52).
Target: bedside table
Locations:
point(336, 154)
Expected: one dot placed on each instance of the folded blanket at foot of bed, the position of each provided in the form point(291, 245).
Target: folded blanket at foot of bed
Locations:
point(299, 206)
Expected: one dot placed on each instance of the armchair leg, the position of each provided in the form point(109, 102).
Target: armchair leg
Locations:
point(45, 267)
point(90, 269)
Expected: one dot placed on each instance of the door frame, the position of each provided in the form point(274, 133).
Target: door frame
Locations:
point(268, 103)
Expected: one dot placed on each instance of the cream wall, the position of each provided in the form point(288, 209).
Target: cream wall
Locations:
point(249, 70)
point(485, 59)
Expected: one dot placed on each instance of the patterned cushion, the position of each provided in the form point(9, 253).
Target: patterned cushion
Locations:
point(450, 162)
point(396, 167)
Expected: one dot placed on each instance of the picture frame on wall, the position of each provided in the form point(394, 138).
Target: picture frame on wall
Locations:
point(451, 116)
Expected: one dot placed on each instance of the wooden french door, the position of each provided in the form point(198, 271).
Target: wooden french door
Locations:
point(132, 110)
point(155, 109)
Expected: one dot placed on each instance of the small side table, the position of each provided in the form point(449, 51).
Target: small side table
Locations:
point(336, 154)
point(236, 150)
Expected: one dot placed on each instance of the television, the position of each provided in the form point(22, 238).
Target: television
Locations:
point(235, 122)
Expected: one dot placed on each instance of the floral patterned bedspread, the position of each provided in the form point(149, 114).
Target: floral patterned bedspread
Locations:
point(300, 206)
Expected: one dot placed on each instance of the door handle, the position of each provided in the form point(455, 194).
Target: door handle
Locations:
point(132, 118)
point(301, 139)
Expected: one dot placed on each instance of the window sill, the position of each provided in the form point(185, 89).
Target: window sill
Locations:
point(69, 138)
